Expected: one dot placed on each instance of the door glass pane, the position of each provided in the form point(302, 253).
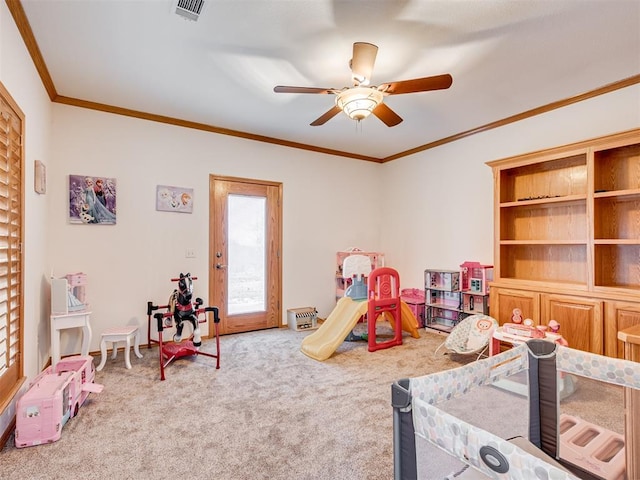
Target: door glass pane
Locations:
point(246, 263)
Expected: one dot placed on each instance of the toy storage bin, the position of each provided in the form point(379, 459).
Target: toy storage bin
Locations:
point(415, 300)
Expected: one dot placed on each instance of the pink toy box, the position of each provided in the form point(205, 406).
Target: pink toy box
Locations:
point(53, 398)
point(415, 300)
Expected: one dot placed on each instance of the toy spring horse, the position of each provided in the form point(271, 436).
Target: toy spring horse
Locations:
point(180, 310)
point(183, 310)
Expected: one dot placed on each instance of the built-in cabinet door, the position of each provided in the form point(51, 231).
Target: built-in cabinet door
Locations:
point(581, 320)
point(631, 339)
point(618, 316)
point(503, 301)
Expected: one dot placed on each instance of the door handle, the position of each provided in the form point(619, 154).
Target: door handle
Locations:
point(220, 266)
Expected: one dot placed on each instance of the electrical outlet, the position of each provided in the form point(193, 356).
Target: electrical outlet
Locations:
point(190, 253)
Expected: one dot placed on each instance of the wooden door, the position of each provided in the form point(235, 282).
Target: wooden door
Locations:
point(580, 319)
point(246, 268)
point(618, 316)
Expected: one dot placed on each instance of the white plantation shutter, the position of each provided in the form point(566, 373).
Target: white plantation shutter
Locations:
point(11, 231)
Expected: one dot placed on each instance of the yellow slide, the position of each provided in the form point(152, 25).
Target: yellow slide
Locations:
point(321, 344)
point(408, 319)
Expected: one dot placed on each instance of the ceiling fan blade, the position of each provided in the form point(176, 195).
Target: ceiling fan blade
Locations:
point(438, 82)
point(285, 89)
point(388, 116)
point(362, 61)
point(324, 118)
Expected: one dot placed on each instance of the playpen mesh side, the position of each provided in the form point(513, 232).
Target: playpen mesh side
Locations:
point(591, 443)
point(616, 371)
point(448, 384)
point(542, 362)
point(543, 395)
point(404, 445)
point(470, 443)
point(463, 440)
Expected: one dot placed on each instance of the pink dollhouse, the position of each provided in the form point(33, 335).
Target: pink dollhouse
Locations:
point(475, 277)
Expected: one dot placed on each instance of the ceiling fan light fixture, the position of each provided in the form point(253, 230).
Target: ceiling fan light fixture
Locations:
point(359, 102)
point(359, 80)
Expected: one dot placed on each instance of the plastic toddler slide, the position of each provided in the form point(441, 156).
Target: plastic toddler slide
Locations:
point(321, 344)
point(408, 319)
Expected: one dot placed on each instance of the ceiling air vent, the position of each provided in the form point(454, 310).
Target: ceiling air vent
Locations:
point(189, 9)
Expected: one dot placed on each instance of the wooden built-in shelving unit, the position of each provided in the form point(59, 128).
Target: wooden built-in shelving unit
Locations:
point(567, 239)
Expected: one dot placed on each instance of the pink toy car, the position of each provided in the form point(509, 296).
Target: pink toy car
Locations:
point(53, 398)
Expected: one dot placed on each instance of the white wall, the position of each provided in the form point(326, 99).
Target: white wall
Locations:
point(439, 211)
point(327, 207)
point(430, 210)
point(20, 78)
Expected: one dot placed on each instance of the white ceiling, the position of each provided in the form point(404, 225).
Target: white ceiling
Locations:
point(505, 56)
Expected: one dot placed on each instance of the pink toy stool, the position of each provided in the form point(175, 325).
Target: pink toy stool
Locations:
point(119, 334)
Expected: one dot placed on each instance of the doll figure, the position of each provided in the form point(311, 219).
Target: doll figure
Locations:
point(554, 326)
point(516, 316)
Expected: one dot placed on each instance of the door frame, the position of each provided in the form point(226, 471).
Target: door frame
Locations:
point(213, 294)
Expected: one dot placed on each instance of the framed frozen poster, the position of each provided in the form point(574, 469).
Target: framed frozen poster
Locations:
point(92, 200)
point(174, 199)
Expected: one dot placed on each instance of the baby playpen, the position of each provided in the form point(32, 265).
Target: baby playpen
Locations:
point(431, 443)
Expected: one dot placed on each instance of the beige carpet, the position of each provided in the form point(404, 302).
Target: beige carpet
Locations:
point(270, 412)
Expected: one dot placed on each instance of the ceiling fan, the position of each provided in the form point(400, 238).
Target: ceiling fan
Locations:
point(360, 100)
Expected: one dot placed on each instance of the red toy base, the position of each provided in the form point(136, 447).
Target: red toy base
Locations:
point(178, 350)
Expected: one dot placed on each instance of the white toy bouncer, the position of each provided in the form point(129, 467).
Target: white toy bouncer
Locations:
point(471, 336)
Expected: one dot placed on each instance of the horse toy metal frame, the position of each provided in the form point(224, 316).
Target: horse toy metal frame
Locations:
point(181, 309)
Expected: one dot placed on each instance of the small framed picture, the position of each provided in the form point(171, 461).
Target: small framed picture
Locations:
point(39, 177)
point(174, 199)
